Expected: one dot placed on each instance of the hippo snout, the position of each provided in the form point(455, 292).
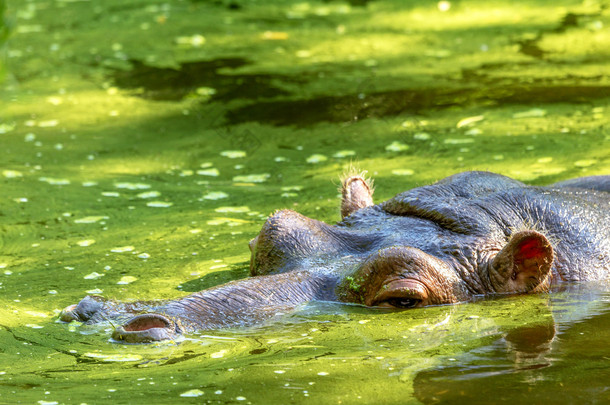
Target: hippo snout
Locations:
point(85, 310)
point(146, 328)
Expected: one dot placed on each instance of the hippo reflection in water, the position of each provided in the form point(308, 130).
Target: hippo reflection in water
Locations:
point(471, 234)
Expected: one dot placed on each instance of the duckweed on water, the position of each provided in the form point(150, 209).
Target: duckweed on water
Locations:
point(121, 158)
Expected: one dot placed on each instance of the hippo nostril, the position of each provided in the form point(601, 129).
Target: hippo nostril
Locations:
point(145, 322)
point(146, 328)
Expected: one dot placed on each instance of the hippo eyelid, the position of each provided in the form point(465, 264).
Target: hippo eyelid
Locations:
point(404, 288)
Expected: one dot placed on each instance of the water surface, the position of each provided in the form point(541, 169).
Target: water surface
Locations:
point(145, 142)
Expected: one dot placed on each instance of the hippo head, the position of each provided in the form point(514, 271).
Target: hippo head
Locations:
point(467, 235)
point(433, 245)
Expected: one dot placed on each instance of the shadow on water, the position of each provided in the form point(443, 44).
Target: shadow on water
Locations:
point(169, 84)
point(408, 101)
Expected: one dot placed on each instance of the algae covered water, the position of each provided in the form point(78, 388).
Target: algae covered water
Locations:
point(145, 142)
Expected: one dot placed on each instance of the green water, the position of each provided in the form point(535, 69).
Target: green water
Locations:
point(145, 142)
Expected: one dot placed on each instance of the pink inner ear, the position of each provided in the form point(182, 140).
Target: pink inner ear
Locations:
point(531, 248)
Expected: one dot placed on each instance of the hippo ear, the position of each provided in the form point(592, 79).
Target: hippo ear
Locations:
point(356, 193)
point(523, 265)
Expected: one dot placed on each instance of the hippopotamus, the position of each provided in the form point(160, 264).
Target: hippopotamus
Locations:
point(469, 235)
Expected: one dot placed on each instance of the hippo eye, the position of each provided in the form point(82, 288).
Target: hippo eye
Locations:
point(403, 302)
point(402, 293)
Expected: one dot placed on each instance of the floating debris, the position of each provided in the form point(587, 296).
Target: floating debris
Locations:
point(159, 204)
point(274, 35)
point(144, 256)
point(149, 194)
point(90, 220)
point(85, 243)
point(469, 121)
point(396, 147)
point(126, 280)
point(48, 124)
point(292, 188)
point(215, 195)
point(209, 172)
point(227, 221)
point(233, 209)
point(251, 178)
point(93, 276)
point(533, 113)
point(279, 371)
point(233, 154)
point(317, 158)
point(110, 194)
point(54, 181)
point(280, 159)
point(6, 128)
point(11, 174)
point(585, 162)
point(322, 373)
point(403, 172)
point(344, 153)
point(20, 200)
point(195, 40)
point(421, 136)
point(132, 186)
point(192, 393)
point(454, 141)
point(122, 249)
point(205, 91)
point(219, 354)
point(114, 357)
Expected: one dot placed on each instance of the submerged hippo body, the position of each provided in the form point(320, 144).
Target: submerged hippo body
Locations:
point(474, 233)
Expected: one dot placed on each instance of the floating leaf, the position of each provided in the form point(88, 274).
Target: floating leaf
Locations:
point(159, 204)
point(132, 186)
point(233, 154)
point(344, 153)
point(114, 357)
point(251, 178)
point(316, 158)
point(232, 209)
point(192, 393)
point(397, 147)
point(208, 172)
point(469, 121)
point(149, 194)
point(89, 220)
point(215, 195)
point(93, 276)
point(126, 280)
point(403, 172)
point(54, 181)
point(122, 249)
point(11, 174)
point(533, 113)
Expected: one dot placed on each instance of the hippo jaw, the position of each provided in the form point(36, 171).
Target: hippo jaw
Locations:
point(146, 328)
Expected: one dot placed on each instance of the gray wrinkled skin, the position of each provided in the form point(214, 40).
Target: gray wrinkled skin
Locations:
point(474, 233)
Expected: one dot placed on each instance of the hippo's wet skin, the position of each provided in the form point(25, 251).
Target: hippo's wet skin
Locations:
point(470, 234)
